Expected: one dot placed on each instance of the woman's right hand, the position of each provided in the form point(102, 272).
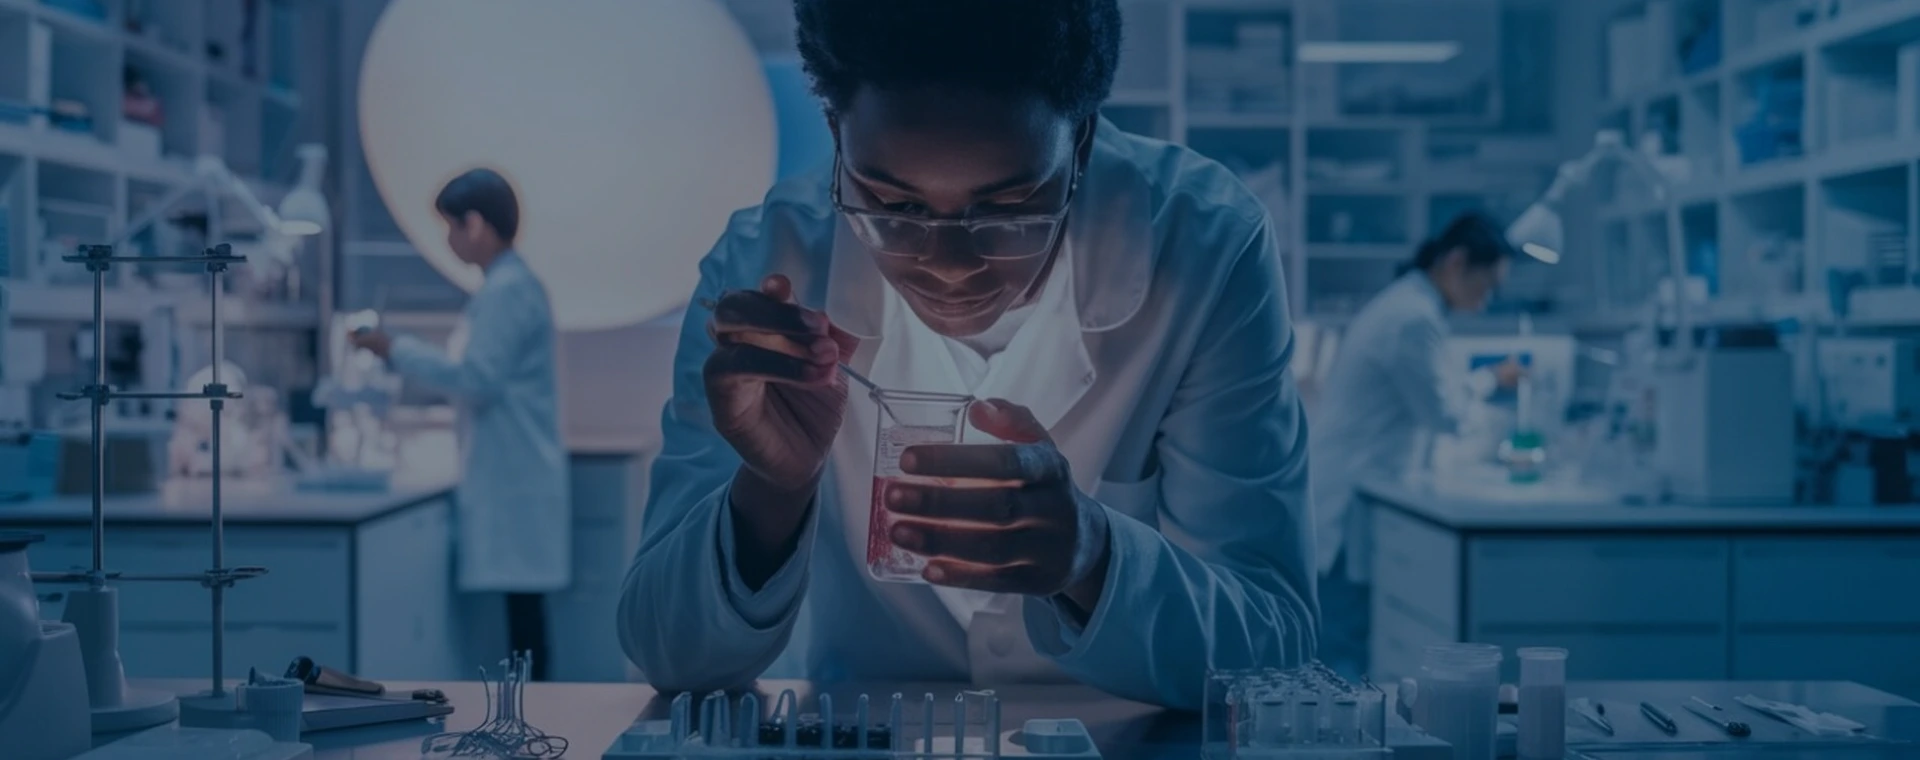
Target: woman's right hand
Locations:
point(772, 383)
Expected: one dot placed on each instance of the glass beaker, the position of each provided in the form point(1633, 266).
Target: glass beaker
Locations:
point(907, 418)
point(1457, 697)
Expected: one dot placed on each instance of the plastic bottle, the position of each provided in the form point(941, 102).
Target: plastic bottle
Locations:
point(1543, 703)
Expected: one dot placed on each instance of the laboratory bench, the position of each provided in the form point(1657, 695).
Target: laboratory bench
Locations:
point(1652, 591)
point(359, 581)
point(592, 715)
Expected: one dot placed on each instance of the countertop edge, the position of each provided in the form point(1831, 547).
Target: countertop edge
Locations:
point(1460, 513)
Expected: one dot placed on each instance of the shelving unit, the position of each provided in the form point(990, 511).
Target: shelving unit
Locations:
point(1801, 149)
point(1353, 173)
point(79, 159)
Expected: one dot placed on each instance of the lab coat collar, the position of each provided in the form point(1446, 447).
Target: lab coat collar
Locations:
point(1418, 283)
point(1110, 225)
point(507, 259)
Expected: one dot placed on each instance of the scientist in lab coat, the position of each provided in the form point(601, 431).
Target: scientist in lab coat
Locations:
point(1384, 398)
point(513, 518)
point(1116, 301)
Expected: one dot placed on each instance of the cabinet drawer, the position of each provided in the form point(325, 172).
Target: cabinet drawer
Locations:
point(1416, 566)
point(1881, 659)
point(1633, 581)
point(1827, 580)
point(306, 578)
point(160, 650)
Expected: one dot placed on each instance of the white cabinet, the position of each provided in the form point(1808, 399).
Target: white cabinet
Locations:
point(371, 598)
point(1842, 607)
point(1648, 602)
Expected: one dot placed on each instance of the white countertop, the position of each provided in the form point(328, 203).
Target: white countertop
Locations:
point(260, 502)
point(1550, 508)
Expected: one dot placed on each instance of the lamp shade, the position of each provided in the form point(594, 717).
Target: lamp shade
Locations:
point(1539, 232)
point(304, 211)
point(630, 129)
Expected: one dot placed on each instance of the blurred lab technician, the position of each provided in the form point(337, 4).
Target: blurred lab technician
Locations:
point(1385, 396)
point(512, 519)
point(1116, 299)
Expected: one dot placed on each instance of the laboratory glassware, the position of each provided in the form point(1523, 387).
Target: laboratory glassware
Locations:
point(1456, 697)
point(1543, 703)
point(907, 418)
point(1302, 712)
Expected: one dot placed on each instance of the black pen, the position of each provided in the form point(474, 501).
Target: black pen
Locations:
point(1659, 718)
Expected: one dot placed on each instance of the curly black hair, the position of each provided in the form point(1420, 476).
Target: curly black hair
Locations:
point(1063, 50)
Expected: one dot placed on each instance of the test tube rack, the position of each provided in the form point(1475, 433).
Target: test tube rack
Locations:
point(94, 610)
point(725, 728)
point(1302, 713)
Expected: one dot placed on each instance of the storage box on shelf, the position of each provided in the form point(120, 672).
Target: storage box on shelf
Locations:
point(1804, 139)
point(103, 106)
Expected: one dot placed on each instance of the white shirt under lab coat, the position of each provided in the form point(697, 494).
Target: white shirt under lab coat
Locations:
point(1384, 399)
point(1163, 377)
point(513, 521)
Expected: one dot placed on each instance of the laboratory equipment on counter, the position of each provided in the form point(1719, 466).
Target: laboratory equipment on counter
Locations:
point(909, 418)
point(1716, 715)
point(1593, 713)
point(726, 728)
point(1870, 383)
point(254, 432)
point(1543, 703)
point(1725, 430)
point(43, 683)
point(1659, 718)
point(1456, 697)
point(94, 609)
point(262, 703)
point(1803, 717)
point(337, 700)
point(505, 732)
point(1303, 712)
point(360, 451)
point(29, 464)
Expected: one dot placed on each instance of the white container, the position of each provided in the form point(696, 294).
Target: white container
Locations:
point(1457, 697)
point(1543, 703)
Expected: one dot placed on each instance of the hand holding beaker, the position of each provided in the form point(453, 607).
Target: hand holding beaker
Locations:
point(771, 382)
point(1003, 517)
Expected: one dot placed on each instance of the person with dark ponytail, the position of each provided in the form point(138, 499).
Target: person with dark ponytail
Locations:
point(1385, 395)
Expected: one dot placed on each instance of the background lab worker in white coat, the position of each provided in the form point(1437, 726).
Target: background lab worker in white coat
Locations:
point(512, 519)
point(983, 231)
point(1384, 398)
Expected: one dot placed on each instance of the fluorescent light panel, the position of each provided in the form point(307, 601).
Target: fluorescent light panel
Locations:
point(1378, 52)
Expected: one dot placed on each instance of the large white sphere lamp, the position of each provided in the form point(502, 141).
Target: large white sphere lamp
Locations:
point(631, 129)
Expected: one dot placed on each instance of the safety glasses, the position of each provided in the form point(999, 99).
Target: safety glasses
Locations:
point(1005, 237)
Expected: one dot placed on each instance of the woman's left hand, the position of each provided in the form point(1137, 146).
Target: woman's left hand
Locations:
point(1007, 518)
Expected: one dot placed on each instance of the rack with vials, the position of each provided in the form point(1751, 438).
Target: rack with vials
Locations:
point(724, 727)
point(1303, 713)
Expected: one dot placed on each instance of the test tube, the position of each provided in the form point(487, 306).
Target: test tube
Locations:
point(682, 704)
point(1346, 726)
point(1543, 703)
point(993, 725)
point(896, 722)
point(1269, 720)
point(926, 723)
point(749, 719)
point(826, 721)
point(1306, 722)
point(959, 723)
point(860, 722)
point(788, 710)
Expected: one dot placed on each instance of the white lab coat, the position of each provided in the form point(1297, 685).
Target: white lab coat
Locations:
point(1385, 397)
point(1170, 395)
point(512, 520)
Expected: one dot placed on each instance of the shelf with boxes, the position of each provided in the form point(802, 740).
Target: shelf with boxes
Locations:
point(104, 106)
point(1349, 172)
point(1801, 141)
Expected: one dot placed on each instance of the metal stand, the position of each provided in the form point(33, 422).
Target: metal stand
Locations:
point(94, 611)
